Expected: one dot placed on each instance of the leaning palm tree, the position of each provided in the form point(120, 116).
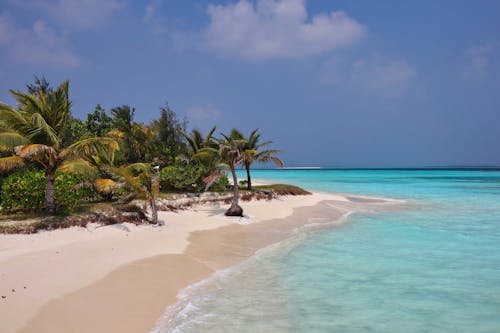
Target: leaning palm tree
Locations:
point(34, 131)
point(143, 179)
point(230, 154)
point(251, 152)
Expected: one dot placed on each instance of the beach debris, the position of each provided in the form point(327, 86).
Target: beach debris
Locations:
point(3, 296)
point(13, 290)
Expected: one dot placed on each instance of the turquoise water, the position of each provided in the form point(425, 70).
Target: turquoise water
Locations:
point(431, 268)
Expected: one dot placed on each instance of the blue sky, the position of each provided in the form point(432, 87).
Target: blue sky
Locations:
point(332, 83)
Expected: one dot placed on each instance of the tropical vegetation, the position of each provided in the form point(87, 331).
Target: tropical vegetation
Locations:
point(34, 131)
point(52, 161)
point(251, 151)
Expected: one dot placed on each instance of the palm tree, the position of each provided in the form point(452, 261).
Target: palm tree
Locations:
point(197, 144)
point(204, 150)
point(34, 131)
point(230, 148)
point(251, 152)
point(143, 179)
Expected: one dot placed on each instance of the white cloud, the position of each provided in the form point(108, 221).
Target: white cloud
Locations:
point(167, 34)
point(75, 13)
point(152, 17)
point(277, 29)
point(477, 62)
point(203, 116)
point(37, 45)
point(385, 78)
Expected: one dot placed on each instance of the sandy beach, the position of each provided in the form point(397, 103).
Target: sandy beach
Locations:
point(121, 278)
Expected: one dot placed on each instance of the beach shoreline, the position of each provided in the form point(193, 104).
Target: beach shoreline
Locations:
point(122, 278)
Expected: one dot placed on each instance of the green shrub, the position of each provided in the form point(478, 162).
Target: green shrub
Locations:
point(223, 181)
point(183, 177)
point(122, 192)
point(68, 194)
point(25, 191)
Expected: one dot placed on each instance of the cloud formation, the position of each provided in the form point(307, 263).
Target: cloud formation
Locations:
point(277, 29)
point(478, 61)
point(152, 17)
point(37, 45)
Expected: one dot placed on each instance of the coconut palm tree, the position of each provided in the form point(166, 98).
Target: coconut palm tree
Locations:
point(230, 148)
point(197, 142)
point(34, 131)
point(251, 152)
point(143, 179)
point(205, 151)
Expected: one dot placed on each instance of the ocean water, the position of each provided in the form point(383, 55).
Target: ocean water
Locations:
point(432, 268)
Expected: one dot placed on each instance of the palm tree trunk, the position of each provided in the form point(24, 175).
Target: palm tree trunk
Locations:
point(249, 179)
point(155, 188)
point(154, 210)
point(50, 202)
point(235, 209)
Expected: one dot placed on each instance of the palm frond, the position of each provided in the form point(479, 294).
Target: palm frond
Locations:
point(268, 152)
point(105, 185)
point(40, 127)
point(102, 147)
point(227, 138)
point(265, 143)
point(137, 168)
point(10, 140)
point(35, 151)
point(59, 108)
point(12, 119)
point(27, 102)
point(236, 134)
point(133, 182)
point(270, 158)
point(190, 141)
point(210, 135)
point(277, 161)
point(250, 152)
point(205, 154)
point(80, 167)
point(10, 163)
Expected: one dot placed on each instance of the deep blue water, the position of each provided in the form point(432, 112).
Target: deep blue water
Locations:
point(431, 268)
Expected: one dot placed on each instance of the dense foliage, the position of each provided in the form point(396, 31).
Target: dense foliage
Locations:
point(59, 160)
point(35, 130)
point(183, 177)
point(25, 191)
